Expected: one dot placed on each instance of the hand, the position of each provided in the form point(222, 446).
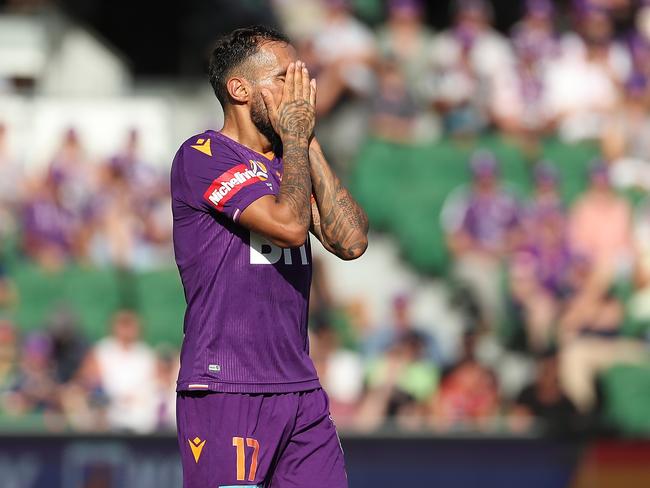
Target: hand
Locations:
point(295, 117)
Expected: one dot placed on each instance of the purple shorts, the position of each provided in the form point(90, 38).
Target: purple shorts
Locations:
point(285, 440)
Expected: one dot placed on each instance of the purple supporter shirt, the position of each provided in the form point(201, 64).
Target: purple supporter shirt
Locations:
point(488, 218)
point(246, 318)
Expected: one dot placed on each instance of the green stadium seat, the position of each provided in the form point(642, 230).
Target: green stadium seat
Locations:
point(627, 398)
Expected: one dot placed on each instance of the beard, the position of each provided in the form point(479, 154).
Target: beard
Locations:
point(260, 117)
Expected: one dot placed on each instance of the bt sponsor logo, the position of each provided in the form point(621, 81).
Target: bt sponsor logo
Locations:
point(262, 251)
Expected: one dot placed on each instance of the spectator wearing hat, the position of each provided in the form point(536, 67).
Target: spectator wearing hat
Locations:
point(540, 268)
point(518, 105)
point(482, 227)
point(536, 30)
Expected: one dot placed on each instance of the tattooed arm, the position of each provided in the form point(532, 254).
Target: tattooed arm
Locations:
point(284, 219)
point(337, 219)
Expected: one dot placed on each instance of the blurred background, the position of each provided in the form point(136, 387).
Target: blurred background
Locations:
point(497, 330)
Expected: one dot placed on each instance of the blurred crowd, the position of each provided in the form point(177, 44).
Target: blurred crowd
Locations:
point(56, 379)
point(570, 278)
point(113, 212)
point(586, 81)
point(571, 281)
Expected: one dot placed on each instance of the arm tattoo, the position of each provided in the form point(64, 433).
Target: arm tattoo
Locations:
point(295, 188)
point(343, 224)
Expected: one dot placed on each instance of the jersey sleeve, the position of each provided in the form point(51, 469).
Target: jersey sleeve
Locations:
point(219, 179)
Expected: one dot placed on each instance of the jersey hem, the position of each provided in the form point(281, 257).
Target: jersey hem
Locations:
point(216, 386)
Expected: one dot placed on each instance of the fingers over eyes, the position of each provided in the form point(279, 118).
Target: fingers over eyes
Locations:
point(312, 92)
point(306, 84)
point(287, 93)
point(297, 87)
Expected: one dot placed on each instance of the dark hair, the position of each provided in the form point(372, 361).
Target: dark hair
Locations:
point(234, 49)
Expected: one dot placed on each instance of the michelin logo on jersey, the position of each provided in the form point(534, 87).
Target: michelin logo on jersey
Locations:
point(230, 182)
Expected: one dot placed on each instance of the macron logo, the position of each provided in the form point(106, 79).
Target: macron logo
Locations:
point(228, 184)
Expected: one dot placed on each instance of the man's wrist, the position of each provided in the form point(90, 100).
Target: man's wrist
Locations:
point(294, 140)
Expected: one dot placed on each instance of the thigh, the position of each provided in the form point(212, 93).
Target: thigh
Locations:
point(230, 439)
point(313, 457)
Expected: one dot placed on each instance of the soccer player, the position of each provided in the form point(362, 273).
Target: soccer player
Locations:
point(250, 409)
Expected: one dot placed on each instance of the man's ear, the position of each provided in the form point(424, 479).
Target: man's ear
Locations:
point(239, 89)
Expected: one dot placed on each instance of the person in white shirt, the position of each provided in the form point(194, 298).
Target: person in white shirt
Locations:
point(127, 372)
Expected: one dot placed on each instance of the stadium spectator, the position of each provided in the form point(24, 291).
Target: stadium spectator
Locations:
point(518, 105)
point(126, 369)
point(84, 401)
point(341, 372)
point(341, 54)
point(536, 31)
point(11, 187)
point(482, 227)
point(381, 339)
point(34, 389)
point(140, 176)
point(69, 345)
point(594, 38)
point(546, 198)
point(130, 222)
point(600, 226)
point(343, 50)
point(394, 109)
point(72, 174)
point(465, 60)
point(639, 303)
point(49, 228)
point(626, 137)
point(542, 403)
point(167, 365)
point(8, 355)
point(540, 267)
point(582, 84)
point(639, 41)
point(8, 290)
point(407, 40)
point(399, 384)
point(468, 398)
point(592, 342)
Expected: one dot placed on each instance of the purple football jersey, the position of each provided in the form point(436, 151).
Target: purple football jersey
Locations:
point(247, 299)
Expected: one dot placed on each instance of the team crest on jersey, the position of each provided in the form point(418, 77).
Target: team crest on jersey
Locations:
point(259, 169)
point(203, 145)
point(196, 445)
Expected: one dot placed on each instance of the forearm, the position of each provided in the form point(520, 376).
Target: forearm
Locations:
point(343, 223)
point(295, 188)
